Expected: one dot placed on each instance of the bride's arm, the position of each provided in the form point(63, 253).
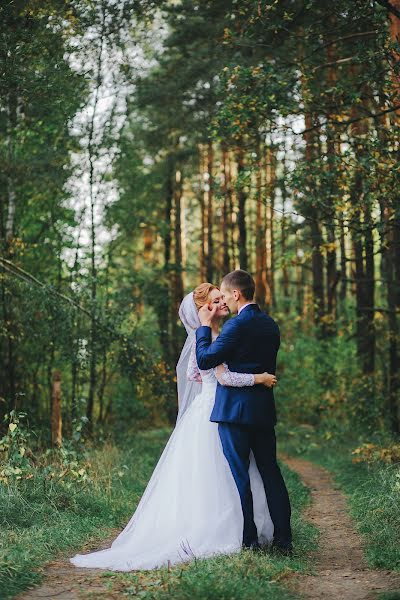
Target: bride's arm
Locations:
point(233, 379)
point(193, 373)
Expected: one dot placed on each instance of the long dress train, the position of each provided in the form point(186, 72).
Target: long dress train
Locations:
point(191, 506)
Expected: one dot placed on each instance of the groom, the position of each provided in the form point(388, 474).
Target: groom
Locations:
point(246, 416)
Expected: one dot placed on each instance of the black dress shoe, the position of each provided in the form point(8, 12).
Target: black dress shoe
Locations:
point(255, 546)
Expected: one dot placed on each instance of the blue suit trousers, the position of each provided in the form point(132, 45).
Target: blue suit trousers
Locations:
point(237, 442)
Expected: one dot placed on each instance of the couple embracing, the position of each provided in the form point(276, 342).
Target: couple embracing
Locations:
point(217, 486)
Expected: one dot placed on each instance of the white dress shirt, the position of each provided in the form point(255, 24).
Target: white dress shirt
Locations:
point(244, 306)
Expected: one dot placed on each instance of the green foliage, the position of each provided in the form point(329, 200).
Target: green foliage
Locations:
point(320, 383)
point(142, 388)
point(20, 449)
point(15, 450)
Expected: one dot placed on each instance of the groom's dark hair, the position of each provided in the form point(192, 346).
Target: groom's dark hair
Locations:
point(240, 280)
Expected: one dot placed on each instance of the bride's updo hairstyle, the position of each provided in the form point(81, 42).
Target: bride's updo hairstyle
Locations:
point(201, 294)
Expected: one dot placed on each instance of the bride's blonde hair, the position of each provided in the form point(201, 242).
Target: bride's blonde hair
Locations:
point(202, 292)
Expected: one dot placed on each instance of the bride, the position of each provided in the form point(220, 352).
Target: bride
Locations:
point(191, 506)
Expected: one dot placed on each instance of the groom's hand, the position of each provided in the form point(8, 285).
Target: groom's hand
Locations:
point(206, 314)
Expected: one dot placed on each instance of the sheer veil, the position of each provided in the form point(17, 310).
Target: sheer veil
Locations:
point(187, 390)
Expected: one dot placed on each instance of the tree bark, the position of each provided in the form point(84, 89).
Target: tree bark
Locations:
point(317, 260)
point(343, 261)
point(311, 209)
point(389, 232)
point(331, 270)
point(362, 226)
point(285, 271)
point(210, 212)
point(56, 421)
point(12, 123)
point(242, 197)
point(165, 288)
point(270, 179)
point(395, 38)
point(261, 241)
point(169, 198)
point(178, 270)
point(177, 279)
point(203, 209)
point(226, 211)
point(93, 270)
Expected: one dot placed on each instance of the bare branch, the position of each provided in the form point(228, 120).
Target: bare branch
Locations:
point(340, 61)
point(344, 38)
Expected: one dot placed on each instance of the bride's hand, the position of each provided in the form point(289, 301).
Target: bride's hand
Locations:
point(266, 379)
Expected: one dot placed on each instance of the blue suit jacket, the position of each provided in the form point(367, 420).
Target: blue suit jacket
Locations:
point(248, 343)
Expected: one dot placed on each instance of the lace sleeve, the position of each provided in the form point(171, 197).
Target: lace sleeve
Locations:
point(233, 379)
point(193, 373)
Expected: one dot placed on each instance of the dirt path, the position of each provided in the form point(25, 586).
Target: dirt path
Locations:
point(340, 570)
point(63, 581)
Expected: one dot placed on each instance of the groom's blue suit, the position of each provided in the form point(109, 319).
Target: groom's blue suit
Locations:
point(249, 343)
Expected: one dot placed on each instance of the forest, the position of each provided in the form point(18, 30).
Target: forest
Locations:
point(150, 145)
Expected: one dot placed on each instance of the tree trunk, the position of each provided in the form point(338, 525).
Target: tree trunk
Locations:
point(210, 212)
point(177, 286)
point(261, 242)
point(165, 287)
point(332, 276)
point(226, 211)
point(203, 209)
point(394, 359)
point(12, 118)
point(363, 242)
point(169, 198)
point(9, 390)
point(388, 275)
point(148, 244)
point(317, 260)
point(93, 269)
point(178, 270)
point(300, 299)
point(395, 39)
point(270, 177)
point(311, 210)
point(285, 271)
point(56, 422)
point(343, 260)
point(242, 197)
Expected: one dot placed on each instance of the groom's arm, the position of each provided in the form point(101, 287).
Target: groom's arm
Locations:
point(211, 354)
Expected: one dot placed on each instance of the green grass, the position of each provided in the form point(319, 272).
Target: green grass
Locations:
point(244, 575)
point(373, 491)
point(41, 517)
point(389, 596)
point(42, 520)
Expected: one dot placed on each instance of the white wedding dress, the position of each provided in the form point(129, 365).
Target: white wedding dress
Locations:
point(191, 507)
